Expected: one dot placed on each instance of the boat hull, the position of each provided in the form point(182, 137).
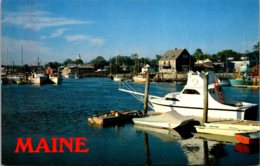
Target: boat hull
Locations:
point(229, 129)
point(234, 113)
point(139, 78)
point(39, 80)
point(248, 138)
point(234, 82)
point(55, 80)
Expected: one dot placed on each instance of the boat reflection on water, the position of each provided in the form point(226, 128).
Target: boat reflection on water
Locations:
point(197, 151)
point(246, 149)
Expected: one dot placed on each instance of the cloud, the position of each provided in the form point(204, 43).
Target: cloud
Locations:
point(75, 38)
point(55, 34)
point(37, 20)
point(92, 40)
point(96, 41)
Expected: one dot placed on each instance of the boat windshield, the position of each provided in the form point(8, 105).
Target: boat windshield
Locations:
point(191, 92)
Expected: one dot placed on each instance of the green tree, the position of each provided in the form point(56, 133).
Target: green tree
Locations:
point(256, 46)
point(198, 55)
point(67, 62)
point(53, 65)
point(99, 62)
point(222, 55)
point(78, 62)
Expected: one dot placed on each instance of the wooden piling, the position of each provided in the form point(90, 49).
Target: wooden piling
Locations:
point(146, 92)
point(205, 98)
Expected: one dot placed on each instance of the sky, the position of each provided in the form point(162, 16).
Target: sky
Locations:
point(55, 30)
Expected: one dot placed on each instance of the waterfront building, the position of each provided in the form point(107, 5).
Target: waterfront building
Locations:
point(174, 61)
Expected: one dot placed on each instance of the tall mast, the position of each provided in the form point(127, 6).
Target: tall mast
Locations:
point(6, 59)
point(22, 55)
point(116, 60)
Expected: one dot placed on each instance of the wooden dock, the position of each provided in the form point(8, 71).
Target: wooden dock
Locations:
point(114, 117)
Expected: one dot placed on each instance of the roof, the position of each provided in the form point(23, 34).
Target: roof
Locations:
point(172, 54)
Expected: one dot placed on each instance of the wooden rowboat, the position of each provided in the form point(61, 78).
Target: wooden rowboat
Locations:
point(228, 128)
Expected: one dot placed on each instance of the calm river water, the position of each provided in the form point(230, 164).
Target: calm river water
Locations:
point(62, 111)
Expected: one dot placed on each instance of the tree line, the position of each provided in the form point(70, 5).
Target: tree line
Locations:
point(134, 62)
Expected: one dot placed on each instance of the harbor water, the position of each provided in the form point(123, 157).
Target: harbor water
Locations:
point(48, 111)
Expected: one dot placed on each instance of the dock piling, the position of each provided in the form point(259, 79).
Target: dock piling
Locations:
point(146, 92)
point(205, 98)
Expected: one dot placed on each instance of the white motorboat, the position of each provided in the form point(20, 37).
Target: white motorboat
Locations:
point(117, 78)
point(189, 102)
point(139, 78)
point(14, 78)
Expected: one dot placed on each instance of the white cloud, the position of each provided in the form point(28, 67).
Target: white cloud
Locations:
point(96, 41)
point(37, 20)
point(92, 40)
point(75, 38)
point(55, 34)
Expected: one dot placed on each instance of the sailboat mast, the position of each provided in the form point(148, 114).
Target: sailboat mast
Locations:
point(116, 60)
point(22, 55)
point(110, 66)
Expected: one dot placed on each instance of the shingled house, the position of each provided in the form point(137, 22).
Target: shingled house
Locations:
point(174, 61)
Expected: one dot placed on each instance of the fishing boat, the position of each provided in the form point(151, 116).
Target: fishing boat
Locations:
point(242, 77)
point(189, 102)
point(248, 138)
point(14, 78)
point(54, 78)
point(38, 78)
point(139, 78)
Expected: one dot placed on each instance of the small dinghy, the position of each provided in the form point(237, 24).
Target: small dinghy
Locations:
point(248, 138)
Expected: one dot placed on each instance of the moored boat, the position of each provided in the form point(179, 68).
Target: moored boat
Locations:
point(237, 82)
point(248, 138)
point(55, 79)
point(38, 78)
point(242, 77)
point(220, 131)
point(189, 102)
point(139, 78)
point(228, 128)
point(117, 78)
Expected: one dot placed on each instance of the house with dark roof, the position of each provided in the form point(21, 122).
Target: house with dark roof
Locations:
point(174, 61)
